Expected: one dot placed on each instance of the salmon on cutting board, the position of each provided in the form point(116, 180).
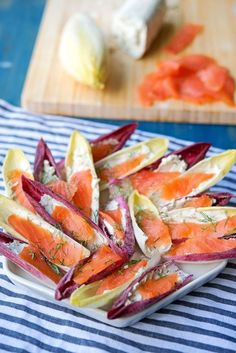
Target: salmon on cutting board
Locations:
point(49, 89)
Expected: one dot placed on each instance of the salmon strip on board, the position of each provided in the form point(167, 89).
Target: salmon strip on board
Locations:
point(183, 37)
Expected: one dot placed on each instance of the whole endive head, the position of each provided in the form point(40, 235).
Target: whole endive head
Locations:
point(82, 51)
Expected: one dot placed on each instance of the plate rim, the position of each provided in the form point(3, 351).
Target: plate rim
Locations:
point(37, 286)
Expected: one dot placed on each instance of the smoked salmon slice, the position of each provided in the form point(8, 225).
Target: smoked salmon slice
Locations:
point(203, 249)
point(213, 77)
point(198, 201)
point(34, 257)
point(121, 276)
point(114, 219)
point(120, 170)
point(14, 178)
point(183, 37)
point(207, 200)
point(83, 197)
point(201, 222)
point(154, 228)
point(184, 185)
point(147, 181)
point(197, 79)
point(152, 288)
point(58, 250)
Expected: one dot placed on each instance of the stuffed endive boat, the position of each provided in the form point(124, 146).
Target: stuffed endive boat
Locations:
point(150, 178)
point(81, 173)
point(56, 246)
point(50, 173)
point(98, 265)
point(151, 233)
point(103, 292)
point(206, 199)
point(14, 166)
point(60, 213)
point(129, 160)
point(202, 234)
point(107, 144)
point(150, 287)
point(112, 142)
point(195, 180)
point(45, 168)
point(115, 220)
point(29, 258)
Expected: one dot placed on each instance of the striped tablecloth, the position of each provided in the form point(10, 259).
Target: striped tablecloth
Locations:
point(203, 321)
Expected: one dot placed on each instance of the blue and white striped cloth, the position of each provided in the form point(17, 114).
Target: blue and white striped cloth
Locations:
point(203, 321)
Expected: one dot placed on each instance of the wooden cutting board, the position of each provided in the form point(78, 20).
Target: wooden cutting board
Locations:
point(48, 89)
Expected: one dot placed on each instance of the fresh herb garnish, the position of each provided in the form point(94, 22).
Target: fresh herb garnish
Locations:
point(206, 218)
point(132, 262)
point(54, 268)
point(32, 254)
point(84, 243)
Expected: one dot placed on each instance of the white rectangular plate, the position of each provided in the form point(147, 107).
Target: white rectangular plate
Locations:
point(202, 273)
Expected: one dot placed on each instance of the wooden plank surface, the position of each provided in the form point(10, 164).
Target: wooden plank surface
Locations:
point(48, 89)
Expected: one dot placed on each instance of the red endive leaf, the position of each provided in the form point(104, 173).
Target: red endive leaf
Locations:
point(44, 153)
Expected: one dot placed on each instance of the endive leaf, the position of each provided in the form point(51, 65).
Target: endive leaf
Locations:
point(151, 234)
point(205, 200)
point(129, 160)
point(116, 222)
point(220, 198)
point(191, 155)
point(45, 167)
point(81, 173)
point(113, 141)
point(14, 166)
point(56, 246)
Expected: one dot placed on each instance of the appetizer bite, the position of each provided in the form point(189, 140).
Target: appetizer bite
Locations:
point(106, 225)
